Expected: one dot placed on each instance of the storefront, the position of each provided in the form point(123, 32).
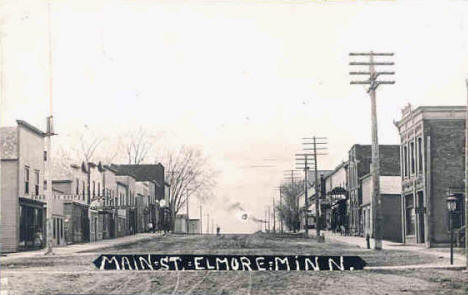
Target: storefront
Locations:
point(32, 224)
point(76, 223)
point(120, 223)
point(108, 223)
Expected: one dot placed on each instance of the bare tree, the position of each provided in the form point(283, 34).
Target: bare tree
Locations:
point(74, 148)
point(188, 173)
point(88, 145)
point(289, 209)
point(138, 144)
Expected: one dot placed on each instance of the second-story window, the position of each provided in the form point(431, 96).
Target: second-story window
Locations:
point(94, 188)
point(420, 156)
point(45, 156)
point(412, 157)
point(26, 180)
point(405, 160)
point(36, 182)
point(99, 189)
point(77, 186)
point(84, 190)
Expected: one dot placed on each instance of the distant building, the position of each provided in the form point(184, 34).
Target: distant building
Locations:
point(390, 193)
point(180, 224)
point(336, 192)
point(23, 204)
point(69, 186)
point(359, 163)
point(312, 195)
point(432, 166)
point(153, 176)
point(194, 226)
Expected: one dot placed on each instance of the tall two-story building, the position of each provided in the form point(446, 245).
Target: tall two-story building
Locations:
point(23, 204)
point(432, 166)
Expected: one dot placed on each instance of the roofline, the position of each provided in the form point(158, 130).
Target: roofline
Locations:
point(31, 128)
point(428, 109)
point(121, 183)
point(108, 167)
point(342, 164)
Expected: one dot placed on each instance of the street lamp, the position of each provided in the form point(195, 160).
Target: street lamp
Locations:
point(162, 205)
point(451, 206)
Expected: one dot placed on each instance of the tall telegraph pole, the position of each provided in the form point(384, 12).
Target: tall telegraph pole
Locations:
point(316, 141)
point(466, 177)
point(303, 159)
point(376, 209)
point(274, 216)
point(201, 220)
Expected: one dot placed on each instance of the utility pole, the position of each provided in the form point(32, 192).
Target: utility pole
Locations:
point(466, 177)
point(274, 216)
point(316, 141)
point(207, 223)
point(280, 209)
point(281, 206)
point(304, 158)
point(201, 220)
point(268, 219)
point(376, 209)
point(187, 205)
point(50, 132)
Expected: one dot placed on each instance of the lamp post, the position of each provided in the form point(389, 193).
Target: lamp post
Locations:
point(451, 206)
point(162, 205)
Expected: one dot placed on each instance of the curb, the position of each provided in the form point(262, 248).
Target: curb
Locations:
point(115, 245)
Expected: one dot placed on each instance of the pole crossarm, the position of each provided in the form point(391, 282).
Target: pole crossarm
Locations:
point(371, 53)
point(311, 143)
point(369, 73)
point(381, 63)
point(369, 82)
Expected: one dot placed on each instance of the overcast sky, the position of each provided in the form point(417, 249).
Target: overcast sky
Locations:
point(243, 80)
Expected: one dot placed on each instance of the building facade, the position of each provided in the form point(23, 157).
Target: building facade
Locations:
point(69, 186)
point(336, 192)
point(432, 166)
point(23, 204)
point(390, 189)
point(359, 163)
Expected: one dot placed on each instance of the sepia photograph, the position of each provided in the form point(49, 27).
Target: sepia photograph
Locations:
point(233, 147)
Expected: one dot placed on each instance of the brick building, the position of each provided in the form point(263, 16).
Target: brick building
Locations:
point(432, 165)
point(359, 161)
point(23, 204)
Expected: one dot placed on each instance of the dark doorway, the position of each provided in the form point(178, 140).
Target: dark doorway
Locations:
point(420, 214)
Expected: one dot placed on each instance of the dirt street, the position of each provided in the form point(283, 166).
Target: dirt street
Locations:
point(75, 274)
